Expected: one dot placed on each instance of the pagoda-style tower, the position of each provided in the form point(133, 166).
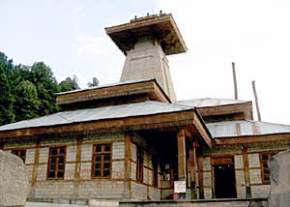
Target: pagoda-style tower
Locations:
point(146, 41)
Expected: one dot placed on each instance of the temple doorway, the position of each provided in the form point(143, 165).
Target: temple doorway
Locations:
point(224, 178)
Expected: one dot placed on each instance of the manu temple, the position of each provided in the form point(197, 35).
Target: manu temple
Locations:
point(133, 140)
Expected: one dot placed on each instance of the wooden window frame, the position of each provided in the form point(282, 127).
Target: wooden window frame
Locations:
point(101, 153)
point(20, 153)
point(57, 156)
point(262, 162)
point(140, 164)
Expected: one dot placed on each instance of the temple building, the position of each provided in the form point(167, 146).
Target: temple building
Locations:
point(133, 140)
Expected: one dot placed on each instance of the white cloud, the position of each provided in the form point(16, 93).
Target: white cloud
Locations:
point(87, 46)
point(251, 33)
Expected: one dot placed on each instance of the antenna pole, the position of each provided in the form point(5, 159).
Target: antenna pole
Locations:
point(235, 81)
point(256, 100)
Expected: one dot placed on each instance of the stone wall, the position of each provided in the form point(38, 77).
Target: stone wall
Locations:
point(207, 178)
point(77, 182)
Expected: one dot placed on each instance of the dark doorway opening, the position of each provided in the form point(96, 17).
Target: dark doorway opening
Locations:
point(224, 177)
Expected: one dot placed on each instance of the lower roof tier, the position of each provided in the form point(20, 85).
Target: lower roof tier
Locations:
point(245, 128)
point(95, 114)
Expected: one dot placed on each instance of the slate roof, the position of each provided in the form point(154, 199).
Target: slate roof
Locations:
point(100, 113)
point(245, 128)
point(208, 102)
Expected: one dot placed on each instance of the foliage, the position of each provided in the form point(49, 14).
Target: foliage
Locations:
point(46, 86)
point(69, 84)
point(95, 82)
point(27, 100)
point(29, 91)
point(6, 99)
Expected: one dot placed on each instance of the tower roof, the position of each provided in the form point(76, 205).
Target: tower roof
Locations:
point(161, 26)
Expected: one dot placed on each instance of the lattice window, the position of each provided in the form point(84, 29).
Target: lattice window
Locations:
point(56, 163)
point(102, 160)
point(20, 153)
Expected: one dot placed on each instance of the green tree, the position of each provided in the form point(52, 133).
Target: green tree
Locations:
point(95, 82)
point(69, 84)
point(6, 98)
point(19, 73)
point(46, 85)
point(27, 100)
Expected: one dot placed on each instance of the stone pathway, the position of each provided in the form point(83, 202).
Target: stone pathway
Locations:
point(39, 204)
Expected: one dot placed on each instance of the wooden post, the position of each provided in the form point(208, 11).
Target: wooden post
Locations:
point(181, 154)
point(200, 177)
point(192, 168)
point(128, 164)
point(246, 172)
point(77, 171)
point(35, 167)
point(256, 100)
point(181, 150)
point(78, 159)
point(235, 81)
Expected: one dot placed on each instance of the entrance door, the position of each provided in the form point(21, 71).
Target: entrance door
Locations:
point(224, 177)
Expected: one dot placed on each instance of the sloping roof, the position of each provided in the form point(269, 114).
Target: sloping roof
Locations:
point(245, 128)
point(162, 26)
point(100, 113)
point(106, 86)
point(208, 102)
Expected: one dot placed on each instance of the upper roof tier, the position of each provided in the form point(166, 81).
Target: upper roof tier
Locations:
point(162, 27)
point(112, 94)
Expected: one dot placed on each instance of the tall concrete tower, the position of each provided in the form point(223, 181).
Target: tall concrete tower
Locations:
point(146, 41)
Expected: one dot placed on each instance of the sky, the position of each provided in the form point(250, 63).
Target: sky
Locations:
point(69, 36)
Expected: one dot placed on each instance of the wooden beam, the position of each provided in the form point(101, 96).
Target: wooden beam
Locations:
point(127, 164)
point(246, 172)
point(200, 177)
point(149, 87)
point(202, 129)
point(78, 158)
point(252, 139)
point(35, 167)
point(181, 150)
point(194, 166)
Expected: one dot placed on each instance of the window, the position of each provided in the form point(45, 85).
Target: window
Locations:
point(101, 160)
point(140, 164)
point(155, 173)
point(56, 163)
point(20, 153)
point(265, 171)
